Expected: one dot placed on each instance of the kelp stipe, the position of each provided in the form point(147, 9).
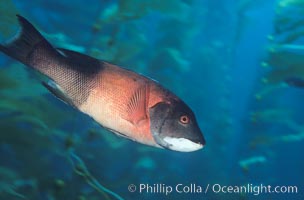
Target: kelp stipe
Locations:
point(80, 168)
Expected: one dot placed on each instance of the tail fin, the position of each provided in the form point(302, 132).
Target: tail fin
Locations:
point(21, 46)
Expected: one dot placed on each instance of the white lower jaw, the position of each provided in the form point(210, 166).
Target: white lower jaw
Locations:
point(182, 144)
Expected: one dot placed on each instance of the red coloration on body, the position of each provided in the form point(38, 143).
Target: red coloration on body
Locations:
point(121, 100)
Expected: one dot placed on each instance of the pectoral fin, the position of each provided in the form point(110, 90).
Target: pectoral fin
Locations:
point(136, 109)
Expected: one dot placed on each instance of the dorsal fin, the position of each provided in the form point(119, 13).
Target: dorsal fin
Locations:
point(81, 62)
point(136, 109)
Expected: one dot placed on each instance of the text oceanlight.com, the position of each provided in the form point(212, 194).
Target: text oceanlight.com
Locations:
point(193, 188)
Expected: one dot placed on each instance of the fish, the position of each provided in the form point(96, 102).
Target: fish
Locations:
point(120, 100)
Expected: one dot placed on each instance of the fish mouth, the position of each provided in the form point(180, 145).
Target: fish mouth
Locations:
point(181, 144)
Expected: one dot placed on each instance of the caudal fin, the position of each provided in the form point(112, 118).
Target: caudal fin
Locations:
point(23, 44)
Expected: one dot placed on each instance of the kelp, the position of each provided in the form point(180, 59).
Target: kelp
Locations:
point(169, 57)
point(283, 65)
point(136, 9)
point(8, 22)
point(245, 164)
point(118, 31)
point(285, 52)
point(22, 93)
point(81, 169)
point(267, 140)
point(10, 183)
point(17, 81)
point(272, 115)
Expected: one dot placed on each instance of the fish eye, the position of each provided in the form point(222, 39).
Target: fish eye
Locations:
point(184, 119)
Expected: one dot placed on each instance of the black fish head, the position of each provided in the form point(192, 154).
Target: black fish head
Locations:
point(173, 126)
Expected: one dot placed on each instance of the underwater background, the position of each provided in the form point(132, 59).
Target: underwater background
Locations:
point(239, 64)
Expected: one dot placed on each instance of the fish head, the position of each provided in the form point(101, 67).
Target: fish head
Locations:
point(173, 126)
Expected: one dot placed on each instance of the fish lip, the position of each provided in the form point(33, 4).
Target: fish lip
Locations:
point(201, 140)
